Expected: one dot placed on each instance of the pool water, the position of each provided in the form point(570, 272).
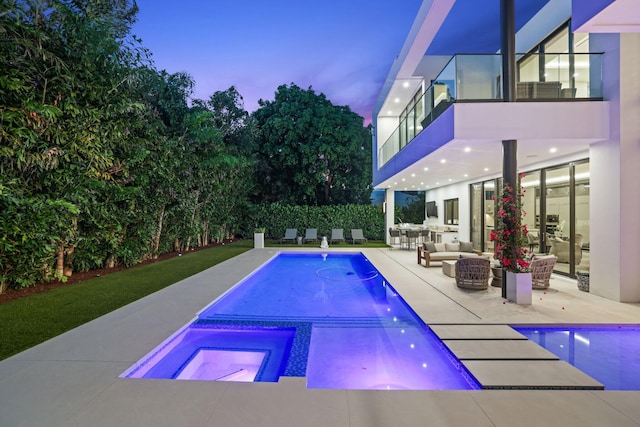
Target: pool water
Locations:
point(331, 318)
point(607, 353)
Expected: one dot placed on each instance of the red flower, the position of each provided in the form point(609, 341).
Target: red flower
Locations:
point(510, 234)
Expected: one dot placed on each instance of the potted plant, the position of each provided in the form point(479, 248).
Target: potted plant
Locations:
point(510, 239)
point(258, 237)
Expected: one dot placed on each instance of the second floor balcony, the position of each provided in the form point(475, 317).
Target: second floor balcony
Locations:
point(478, 78)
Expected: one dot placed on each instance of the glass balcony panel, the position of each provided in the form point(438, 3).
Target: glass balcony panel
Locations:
point(479, 78)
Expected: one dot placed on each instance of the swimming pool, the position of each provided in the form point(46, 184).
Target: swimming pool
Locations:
point(607, 353)
point(332, 318)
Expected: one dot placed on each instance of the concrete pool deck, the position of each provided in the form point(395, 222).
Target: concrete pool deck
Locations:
point(73, 379)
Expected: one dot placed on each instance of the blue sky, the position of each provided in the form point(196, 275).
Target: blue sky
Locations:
point(342, 48)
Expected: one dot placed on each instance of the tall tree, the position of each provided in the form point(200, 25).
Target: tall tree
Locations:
point(311, 152)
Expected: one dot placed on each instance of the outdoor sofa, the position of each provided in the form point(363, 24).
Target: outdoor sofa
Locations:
point(438, 252)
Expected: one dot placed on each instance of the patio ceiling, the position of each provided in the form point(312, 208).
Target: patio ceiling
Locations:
point(463, 160)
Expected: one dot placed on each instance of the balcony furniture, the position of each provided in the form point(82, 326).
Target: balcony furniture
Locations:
point(538, 90)
point(541, 269)
point(449, 268)
point(473, 273)
point(437, 252)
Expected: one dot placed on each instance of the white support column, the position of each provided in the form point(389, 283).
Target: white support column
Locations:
point(389, 218)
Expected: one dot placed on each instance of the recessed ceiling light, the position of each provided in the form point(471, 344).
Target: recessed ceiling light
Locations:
point(413, 174)
point(426, 169)
point(396, 100)
point(486, 169)
point(422, 183)
point(395, 183)
point(443, 161)
point(467, 149)
point(405, 84)
point(389, 112)
point(449, 179)
point(466, 175)
point(437, 183)
point(553, 149)
point(403, 180)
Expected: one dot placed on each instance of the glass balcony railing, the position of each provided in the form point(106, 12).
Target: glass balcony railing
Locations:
point(540, 77)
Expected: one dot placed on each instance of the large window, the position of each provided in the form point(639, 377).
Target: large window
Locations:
point(556, 204)
point(451, 212)
point(563, 58)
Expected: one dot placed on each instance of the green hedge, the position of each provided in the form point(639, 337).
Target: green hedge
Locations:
point(276, 218)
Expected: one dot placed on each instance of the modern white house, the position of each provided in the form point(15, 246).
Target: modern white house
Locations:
point(441, 119)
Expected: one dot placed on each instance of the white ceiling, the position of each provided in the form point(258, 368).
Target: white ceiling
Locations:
point(461, 161)
point(621, 16)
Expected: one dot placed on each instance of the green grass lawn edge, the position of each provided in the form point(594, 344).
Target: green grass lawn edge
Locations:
point(28, 321)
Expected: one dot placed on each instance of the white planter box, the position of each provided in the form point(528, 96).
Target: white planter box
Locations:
point(519, 287)
point(258, 240)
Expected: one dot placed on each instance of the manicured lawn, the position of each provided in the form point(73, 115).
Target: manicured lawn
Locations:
point(28, 321)
point(31, 320)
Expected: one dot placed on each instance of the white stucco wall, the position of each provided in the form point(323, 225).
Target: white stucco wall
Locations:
point(615, 173)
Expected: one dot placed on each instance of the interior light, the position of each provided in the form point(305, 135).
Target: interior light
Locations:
point(486, 169)
point(466, 175)
point(553, 149)
point(413, 174)
point(396, 100)
point(443, 161)
point(405, 84)
point(403, 180)
point(467, 149)
point(426, 169)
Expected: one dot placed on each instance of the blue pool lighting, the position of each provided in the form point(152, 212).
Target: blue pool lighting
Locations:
point(332, 318)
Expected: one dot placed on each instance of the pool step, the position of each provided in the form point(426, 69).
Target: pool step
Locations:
point(501, 358)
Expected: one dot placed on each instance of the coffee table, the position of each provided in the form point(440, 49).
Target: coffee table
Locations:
point(449, 268)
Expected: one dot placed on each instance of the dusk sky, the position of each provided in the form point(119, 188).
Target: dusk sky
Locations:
point(342, 48)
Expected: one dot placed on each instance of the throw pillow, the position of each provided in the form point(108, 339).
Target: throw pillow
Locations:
point(452, 247)
point(466, 247)
point(430, 247)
